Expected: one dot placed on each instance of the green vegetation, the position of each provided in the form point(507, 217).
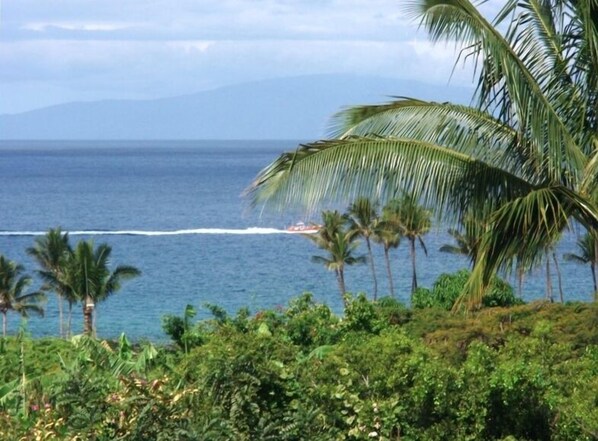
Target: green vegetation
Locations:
point(525, 153)
point(381, 371)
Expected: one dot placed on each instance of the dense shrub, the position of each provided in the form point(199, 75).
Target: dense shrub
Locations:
point(448, 287)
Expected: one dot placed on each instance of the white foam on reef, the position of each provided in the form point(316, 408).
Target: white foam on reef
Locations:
point(246, 231)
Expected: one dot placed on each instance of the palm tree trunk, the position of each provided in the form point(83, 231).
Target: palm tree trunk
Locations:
point(368, 243)
point(390, 283)
point(87, 319)
point(558, 275)
point(520, 276)
point(548, 278)
point(3, 323)
point(94, 321)
point(340, 277)
point(70, 320)
point(593, 268)
point(412, 253)
point(60, 318)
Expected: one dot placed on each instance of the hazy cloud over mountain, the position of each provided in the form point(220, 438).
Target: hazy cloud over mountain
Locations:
point(60, 51)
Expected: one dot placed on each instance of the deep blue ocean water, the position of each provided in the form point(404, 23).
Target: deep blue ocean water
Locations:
point(233, 259)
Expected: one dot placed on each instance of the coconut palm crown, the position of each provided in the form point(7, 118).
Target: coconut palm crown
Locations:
point(89, 276)
point(527, 148)
point(51, 252)
point(12, 296)
point(339, 242)
point(588, 254)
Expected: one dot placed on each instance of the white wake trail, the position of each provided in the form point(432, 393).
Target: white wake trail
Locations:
point(246, 231)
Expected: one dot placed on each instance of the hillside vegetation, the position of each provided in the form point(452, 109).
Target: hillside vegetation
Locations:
point(379, 372)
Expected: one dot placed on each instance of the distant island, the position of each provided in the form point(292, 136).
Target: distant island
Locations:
point(285, 108)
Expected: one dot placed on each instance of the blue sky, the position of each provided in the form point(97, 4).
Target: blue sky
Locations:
point(54, 51)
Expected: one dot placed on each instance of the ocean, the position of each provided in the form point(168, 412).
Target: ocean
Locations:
point(174, 210)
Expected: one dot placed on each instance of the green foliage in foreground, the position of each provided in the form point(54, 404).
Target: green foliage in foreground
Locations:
point(379, 372)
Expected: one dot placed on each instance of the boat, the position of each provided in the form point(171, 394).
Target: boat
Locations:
point(301, 227)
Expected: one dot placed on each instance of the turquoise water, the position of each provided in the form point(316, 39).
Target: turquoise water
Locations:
point(173, 209)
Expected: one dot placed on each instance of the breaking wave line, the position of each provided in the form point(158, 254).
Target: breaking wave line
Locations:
point(246, 231)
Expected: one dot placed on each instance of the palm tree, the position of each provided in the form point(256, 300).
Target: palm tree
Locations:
point(333, 222)
point(414, 223)
point(340, 244)
point(387, 233)
point(467, 242)
point(588, 254)
point(91, 280)
point(12, 298)
point(363, 217)
point(464, 244)
point(528, 148)
point(51, 252)
point(340, 254)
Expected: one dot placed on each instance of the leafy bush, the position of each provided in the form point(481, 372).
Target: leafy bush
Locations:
point(182, 331)
point(310, 324)
point(448, 287)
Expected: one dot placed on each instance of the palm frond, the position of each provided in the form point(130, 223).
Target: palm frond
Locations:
point(521, 228)
point(507, 79)
point(461, 128)
point(452, 249)
point(381, 168)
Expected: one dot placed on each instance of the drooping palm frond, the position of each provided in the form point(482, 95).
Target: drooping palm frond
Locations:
point(521, 229)
point(114, 282)
point(464, 129)
point(326, 172)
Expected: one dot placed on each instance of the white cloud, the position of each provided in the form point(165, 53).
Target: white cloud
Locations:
point(95, 48)
point(189, 47)
point(208, 19)
point(75, 26)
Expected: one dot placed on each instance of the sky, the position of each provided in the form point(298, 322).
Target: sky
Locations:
point(56, 51)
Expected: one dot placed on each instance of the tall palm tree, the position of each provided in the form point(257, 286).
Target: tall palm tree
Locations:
point(414, 223)
point(12, 297)
point(363, 217)
point(527, 148)
point(588, 254)
point(339, 242)
point(89, 277)
point(340, 254)
point(51, 252)
point(387, 233)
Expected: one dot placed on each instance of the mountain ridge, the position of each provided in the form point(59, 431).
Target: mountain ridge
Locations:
point(282, 108)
